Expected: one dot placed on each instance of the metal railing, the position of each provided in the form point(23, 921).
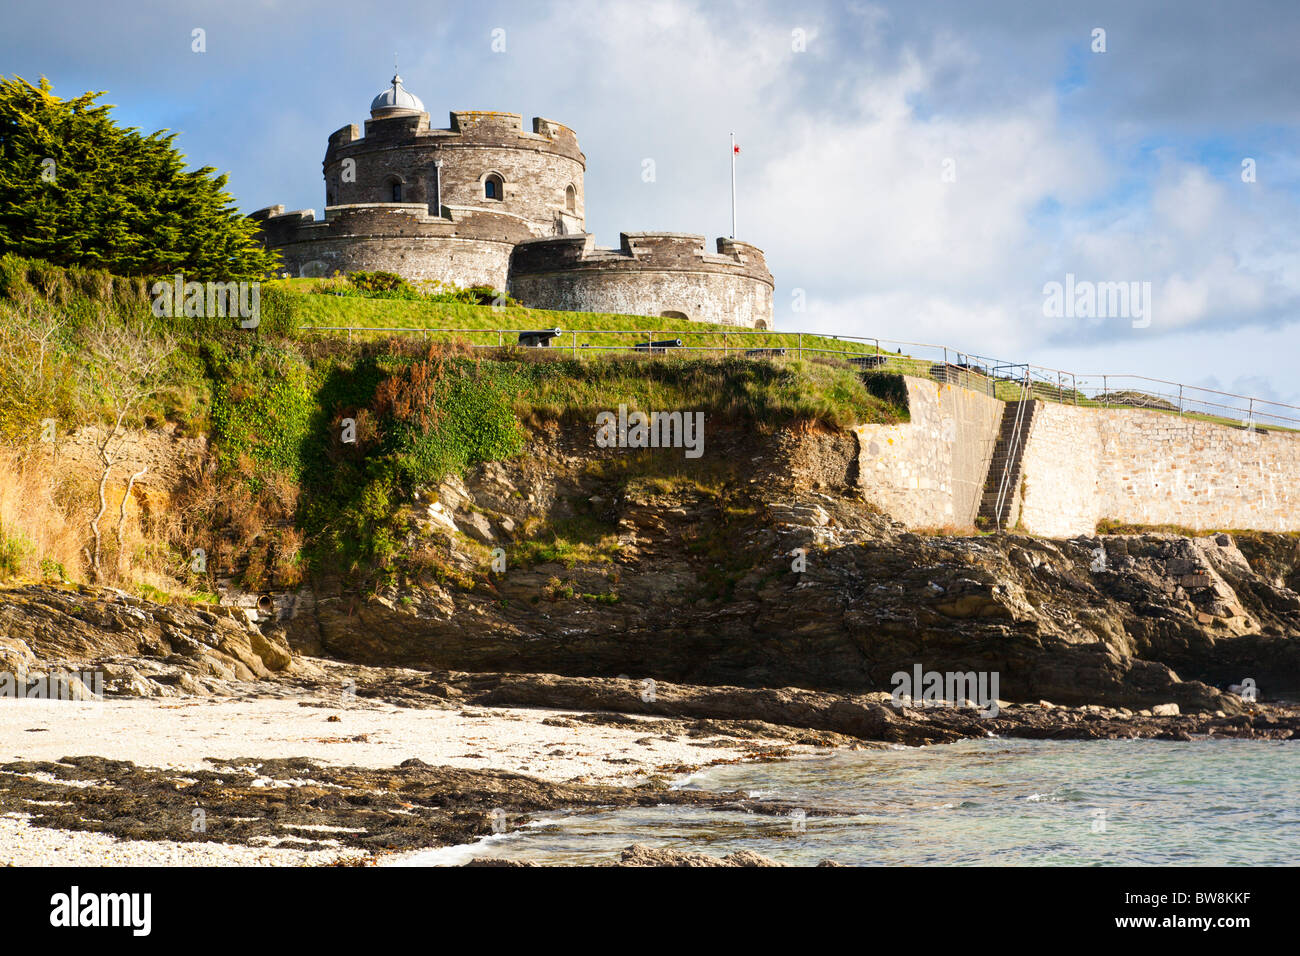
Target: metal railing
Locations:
point(945, 364)
point(1012, 452)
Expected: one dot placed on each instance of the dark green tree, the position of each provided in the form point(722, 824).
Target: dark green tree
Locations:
point(76, 189)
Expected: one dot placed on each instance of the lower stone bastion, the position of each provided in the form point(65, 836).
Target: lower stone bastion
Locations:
point(651, 273)
point(463, 247)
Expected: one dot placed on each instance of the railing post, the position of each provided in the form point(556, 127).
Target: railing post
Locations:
point(1250, 414)
point(500, 341)
point(1180, 401)
point(1074, 387)
point(1105, 393)
point(801, 345)
point(575, 343)
point(724, 343)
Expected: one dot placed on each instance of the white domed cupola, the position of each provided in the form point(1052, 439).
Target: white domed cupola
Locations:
point(395, 100)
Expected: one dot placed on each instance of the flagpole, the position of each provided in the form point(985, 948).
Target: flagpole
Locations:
point(733, 185)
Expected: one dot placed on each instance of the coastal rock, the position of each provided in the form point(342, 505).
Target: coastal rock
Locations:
point(253, 800)
point(791, 579)
point(803, 716)
point(141, 648)
point(639, 854)
point(477, 527)
point(15, 656)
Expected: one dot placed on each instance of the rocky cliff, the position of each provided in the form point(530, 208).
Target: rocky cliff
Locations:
point(138, 648)
point(762, 566)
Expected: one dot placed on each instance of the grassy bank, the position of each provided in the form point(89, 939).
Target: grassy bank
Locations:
point(317, 442)
point(313, 303)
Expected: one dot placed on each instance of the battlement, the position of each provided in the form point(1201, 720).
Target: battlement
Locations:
point(345, 135)
point(466, 127)
point(650, 273)
point(275, 218)
point(641, 251)
point(465, 120)
point(393, 220)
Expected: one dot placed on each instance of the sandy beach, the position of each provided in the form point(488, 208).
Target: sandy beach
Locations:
point(190, 733)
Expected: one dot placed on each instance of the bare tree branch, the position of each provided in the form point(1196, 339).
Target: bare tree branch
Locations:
point(127, 364)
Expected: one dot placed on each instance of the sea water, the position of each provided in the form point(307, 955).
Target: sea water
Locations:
point(995, 802)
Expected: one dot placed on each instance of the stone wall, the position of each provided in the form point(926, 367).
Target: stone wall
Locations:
point(651, 273)
point(468, 248)
point(1143, 467)
point(930, 472)
point(536, 167)
point(1059, 470)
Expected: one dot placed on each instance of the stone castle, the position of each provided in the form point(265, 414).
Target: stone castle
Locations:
point(487, 203)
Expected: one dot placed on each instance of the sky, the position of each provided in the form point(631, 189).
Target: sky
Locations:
point(918, 171)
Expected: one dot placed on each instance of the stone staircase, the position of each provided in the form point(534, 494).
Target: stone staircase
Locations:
point(1008, 453)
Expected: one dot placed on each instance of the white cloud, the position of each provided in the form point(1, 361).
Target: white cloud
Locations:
point(844, 145)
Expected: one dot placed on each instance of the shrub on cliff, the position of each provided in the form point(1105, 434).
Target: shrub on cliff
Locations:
point(415, 420)
point(77, 189)
point(379, 285)
point(389, 285)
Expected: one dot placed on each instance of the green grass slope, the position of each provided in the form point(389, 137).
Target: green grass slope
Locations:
point(314, 304)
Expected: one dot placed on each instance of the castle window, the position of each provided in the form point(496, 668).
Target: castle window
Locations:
point(494, 187)
point(397, 192)
point(570, 198)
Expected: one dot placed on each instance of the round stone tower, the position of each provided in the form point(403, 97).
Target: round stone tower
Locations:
point(444, 204)
point(487, 203)
point(484, 161)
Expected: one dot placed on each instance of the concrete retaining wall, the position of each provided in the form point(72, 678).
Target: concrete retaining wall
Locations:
point(930, 472)
point(1142, 467)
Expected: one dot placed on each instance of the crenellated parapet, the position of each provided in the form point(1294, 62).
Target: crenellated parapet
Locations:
point(466, 247)
point(643, 250)
point(658, 273)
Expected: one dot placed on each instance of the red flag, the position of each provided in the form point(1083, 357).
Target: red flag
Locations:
point(735, 149)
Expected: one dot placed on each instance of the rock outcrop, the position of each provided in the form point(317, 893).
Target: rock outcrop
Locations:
point(141, 648)
point(786, 577)
point(758, 566)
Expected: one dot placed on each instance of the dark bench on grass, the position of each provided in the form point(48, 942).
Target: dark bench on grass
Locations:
point(869, 361)
point(657, 347)
point(540, 339)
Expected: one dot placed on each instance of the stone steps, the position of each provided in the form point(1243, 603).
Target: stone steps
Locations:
point(1010, 447)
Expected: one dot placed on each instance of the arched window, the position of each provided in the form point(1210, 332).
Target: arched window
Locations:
point(570, 198)
point(494, 187)
point(397, 191)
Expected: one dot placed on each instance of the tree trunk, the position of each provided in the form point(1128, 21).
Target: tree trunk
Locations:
point(94, 524)
point(121, 517)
